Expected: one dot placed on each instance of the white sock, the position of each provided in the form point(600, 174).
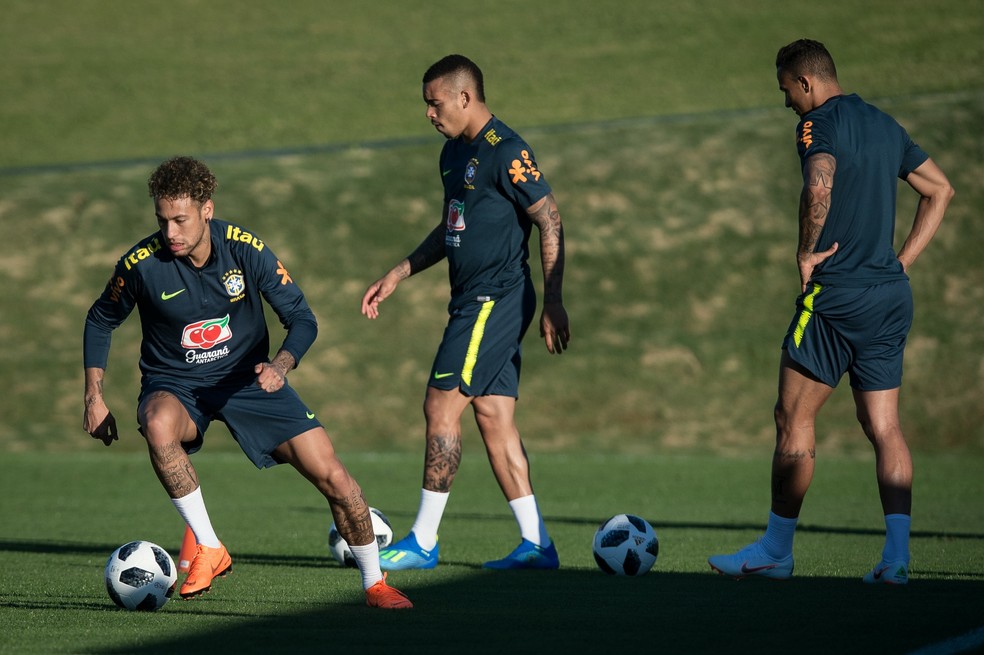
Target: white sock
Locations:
point(367, 557)
point(778, 539)
point(897, 538)
point(432, 504)
point(192, 510)
point(530, 521)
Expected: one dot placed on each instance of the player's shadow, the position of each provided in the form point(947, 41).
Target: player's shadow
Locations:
point(461, 608)
point(585, 611)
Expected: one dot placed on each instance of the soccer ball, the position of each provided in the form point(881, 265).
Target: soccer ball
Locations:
point(340, 549)
point(140, 576)
point(625, 545)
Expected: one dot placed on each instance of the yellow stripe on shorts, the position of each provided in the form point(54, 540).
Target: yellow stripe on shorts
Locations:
point(805, 315)
point(471, 357)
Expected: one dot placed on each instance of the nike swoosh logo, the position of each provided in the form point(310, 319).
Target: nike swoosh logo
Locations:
point(438, 376)
point(878, 574)
point(445, 173)
point(745, 568)
point(309, 414)
point(167, 296)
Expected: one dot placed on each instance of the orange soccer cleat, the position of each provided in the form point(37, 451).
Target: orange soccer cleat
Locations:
point(209, 563)
point(384, 596)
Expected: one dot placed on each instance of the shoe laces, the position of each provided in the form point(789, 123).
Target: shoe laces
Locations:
point(201, 564)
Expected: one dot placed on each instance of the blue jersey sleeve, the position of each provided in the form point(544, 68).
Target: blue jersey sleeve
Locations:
point(912, 156)
point(814, 135)
point(106, 314)
point(283, 295)
point(520, 178)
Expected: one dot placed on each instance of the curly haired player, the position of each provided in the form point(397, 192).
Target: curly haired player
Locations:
point(198, 284)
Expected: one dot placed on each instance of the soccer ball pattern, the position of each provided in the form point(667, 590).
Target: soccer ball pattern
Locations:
point(140, 576)
point(339, 548)
point(625, 545)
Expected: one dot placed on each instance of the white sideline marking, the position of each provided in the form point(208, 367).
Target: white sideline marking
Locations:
point(962, 644)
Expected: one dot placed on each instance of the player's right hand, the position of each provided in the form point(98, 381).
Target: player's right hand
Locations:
point(810, 261)
point(100, 423)
point(377, 292)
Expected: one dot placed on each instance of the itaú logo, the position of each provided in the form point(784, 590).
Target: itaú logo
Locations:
point(807, 136)
point(205, 334)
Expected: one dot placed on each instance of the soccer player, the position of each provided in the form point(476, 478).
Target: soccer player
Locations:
point(198, 284)
point(494, 193)
point(855, 309)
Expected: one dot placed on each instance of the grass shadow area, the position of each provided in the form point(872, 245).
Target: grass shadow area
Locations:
point(584, 611)
point(261, 608)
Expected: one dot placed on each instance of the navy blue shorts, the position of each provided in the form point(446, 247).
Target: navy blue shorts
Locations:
point(259, 421)
point(481, 351)
point(861, 331)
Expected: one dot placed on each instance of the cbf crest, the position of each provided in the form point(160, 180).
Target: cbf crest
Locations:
point(471, 170)
point(235, 284)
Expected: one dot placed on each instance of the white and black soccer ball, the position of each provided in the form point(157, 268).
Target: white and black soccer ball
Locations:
point(339, 548)
point(625, 545)
point(140, 576)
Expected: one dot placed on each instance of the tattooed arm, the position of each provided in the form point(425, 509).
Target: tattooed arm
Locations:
point(97, 420)
point(818, 183)
point(554, 324)
point(429, 252)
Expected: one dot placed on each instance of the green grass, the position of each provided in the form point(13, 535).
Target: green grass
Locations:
point(661, 129)
point(680, 284)
point(287, 593)
point(117, 79)
point(659, 126)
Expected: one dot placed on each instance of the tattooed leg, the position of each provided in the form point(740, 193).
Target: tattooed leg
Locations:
point(441, 461)
point(174, 469)
point(352, 519)
point(442, 410)
point(165, 424)
point(313, 455)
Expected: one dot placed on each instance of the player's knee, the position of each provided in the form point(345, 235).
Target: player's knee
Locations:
point(880, 431)
point(781, 417)
point(441, 421)
point(336, 483)
point(158, 428)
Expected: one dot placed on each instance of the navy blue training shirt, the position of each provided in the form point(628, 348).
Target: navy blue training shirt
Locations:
point(873, 152)
point(488, 185)
point(202, 324)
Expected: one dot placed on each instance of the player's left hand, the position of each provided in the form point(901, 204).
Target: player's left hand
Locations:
point(269, 377)
point(555, 327)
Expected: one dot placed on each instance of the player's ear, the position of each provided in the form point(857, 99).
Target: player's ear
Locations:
point(804, 83)
point(465, 98)
point(208, 207)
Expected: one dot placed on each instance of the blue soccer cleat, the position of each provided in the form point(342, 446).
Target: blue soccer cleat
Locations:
point(527, 556)
point(407, 554)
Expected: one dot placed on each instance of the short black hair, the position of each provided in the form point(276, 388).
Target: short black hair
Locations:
point(182, 176)
point(806, 56)
point(457, 66)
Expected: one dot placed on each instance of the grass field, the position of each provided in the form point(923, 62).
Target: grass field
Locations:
point(287, 594)
point(661, 129)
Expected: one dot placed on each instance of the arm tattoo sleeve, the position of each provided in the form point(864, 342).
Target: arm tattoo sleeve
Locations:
point(546, 217)
point(818, 182)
